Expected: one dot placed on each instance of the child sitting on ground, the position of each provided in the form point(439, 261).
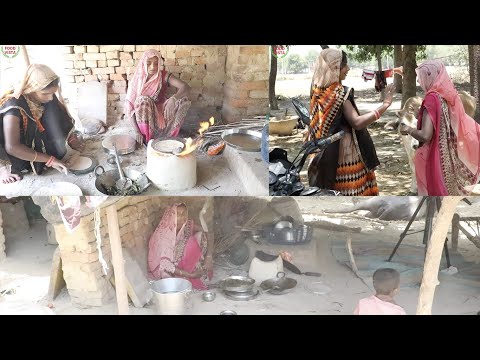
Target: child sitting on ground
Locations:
point(386, 282)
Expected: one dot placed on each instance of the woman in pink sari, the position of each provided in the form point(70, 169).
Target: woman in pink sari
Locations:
point(448, 159)
point(151, 113)
point(178, 248)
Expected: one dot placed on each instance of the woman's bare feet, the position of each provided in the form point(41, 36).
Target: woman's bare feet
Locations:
point(6, 177)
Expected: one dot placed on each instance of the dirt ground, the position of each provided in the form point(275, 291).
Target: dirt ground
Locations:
point(394, 174)
point(27, 268)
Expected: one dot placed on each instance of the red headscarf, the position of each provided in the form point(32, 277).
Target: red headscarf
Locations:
point(139, 85)
point(433, 77)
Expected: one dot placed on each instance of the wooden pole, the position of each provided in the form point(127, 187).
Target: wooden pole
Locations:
point(455, 230)
point(474, 239)
point(117, 260)
point(350, 255)
point(434, 254)
point(25, 55)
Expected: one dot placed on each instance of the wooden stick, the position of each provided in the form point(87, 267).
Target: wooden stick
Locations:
point(455, 229)
point(434, 254)
point(332, 226)
point(474, 239)
point(206, 206)
point(25, 55)
point(350, 255)
point(117, 260)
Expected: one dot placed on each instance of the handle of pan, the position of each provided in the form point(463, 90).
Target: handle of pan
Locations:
point(310, 273)
point(97, 169)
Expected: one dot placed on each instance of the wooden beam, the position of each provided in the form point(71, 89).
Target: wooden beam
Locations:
point(434, 254)
point(455, 230)
point(474, 239)
point(350, 255)
point(25, 55)
point(117, 260)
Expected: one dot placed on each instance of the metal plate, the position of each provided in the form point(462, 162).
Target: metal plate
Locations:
point(245, 296)
point(125, 144)
point(243, 139)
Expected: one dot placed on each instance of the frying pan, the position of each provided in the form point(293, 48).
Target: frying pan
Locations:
point(279, 285)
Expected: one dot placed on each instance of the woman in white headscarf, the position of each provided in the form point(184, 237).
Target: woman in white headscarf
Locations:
point(35, 126)
point(346, 165)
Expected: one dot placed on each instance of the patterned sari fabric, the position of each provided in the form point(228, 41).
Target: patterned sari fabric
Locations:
point(341, 166)
point(450, 163)
point(146, 100)
point(170, 250)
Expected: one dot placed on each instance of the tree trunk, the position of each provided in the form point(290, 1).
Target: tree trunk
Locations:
point(397, 61)
point(271, 82)
point(434, 254)
point(378, 52)
point(409, 85)
point(474, 68)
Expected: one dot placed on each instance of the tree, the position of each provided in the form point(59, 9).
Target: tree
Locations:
point(460, 54)
point(365, 53)
point(311, 57)
point(397, 61)
point(296, 64)
point(409, 85)
point(474, 69)
point(271, 82)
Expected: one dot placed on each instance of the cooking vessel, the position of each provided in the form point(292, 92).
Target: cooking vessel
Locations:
point(108, 178)
point(236, 284)
point(279, 285)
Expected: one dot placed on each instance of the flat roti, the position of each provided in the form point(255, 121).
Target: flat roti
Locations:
point(80, 163)
point(168, 146)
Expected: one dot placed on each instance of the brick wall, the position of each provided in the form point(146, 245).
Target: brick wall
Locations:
point(206, 68)
point(246, 85)
point(138, 218)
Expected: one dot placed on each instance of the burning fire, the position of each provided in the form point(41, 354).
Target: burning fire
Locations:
point(191, 145)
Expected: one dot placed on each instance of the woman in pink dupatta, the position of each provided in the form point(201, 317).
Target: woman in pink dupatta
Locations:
point(448, 159)
point(151, 113)
point(178, 248)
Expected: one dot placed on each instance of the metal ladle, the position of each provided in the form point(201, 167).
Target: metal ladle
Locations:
point(124, 183)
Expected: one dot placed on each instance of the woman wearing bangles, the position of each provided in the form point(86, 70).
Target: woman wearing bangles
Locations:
point(150, 112)
point(179, 248)
point(35, 127)
point(447, 162)
point(347, 165)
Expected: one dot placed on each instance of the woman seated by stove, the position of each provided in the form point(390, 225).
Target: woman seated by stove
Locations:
point(179, 248)
point(36, 130)
point(151, 113)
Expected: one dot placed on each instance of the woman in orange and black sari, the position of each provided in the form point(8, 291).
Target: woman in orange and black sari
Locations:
point(36, 130)
point(347, 165)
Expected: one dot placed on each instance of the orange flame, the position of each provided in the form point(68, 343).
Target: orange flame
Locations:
point(191, 145)
point(204, 125)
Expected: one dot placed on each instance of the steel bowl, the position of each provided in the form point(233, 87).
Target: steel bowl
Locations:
point(209, 296)
point(237, 284)
point(228, 312)
point(125, 144)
